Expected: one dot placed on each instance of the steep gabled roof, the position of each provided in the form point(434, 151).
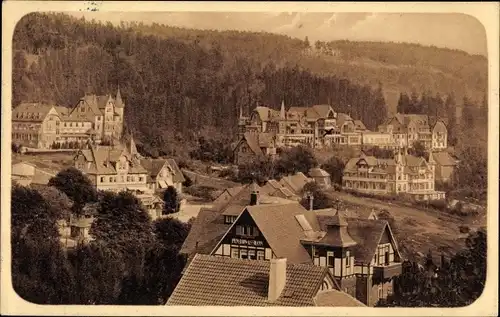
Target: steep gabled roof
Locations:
point(366, 233)
point(444, 158)
point(309, 113)
point(266, 114)
point(359, 125)
point(343, 118)
point(296, 182)
point(178, 177)
point(153, 166)
point(322, 110)
point(207, 229)
point(31, 112)
point(285, 237)
point(102, 160)
point(256, 141)
point(318, 172)
point(224, 281)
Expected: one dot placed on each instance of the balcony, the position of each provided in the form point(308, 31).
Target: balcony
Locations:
point(387, 271)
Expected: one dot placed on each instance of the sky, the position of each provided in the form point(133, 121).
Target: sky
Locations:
point(450, 30)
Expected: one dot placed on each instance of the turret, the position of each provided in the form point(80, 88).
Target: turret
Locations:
point(282, 110)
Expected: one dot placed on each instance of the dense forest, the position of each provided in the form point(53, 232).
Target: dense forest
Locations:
point(176, 81)
point(169, 85)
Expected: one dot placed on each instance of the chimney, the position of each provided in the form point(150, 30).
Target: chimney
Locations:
point(254, 199)
point(277, 278)
point(311, 202)
point(254, 196)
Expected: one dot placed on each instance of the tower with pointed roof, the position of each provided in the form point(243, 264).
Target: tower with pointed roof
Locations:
point(119, 107)
point(336, 247)
point(242, 123)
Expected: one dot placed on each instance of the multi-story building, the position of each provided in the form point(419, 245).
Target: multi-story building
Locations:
point(253, 145)
point(112, 168)
point(96, 118)
point(410, 128)
point(314, 126)
point(163, 173)
point(404, 174)
point(445, 165)
point(361, 254)
point(35, 125)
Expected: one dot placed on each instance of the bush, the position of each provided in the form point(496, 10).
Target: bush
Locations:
point(229, 173)
point(439, 204)
point(204, 192)
point(187, 182)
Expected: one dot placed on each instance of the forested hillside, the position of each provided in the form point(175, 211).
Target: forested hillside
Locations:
point(176, 81)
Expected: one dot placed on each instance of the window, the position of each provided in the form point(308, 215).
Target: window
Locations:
point(260, 255)
point(239, 230)
point(251, 254)
point(141, 179)
point(380, 291)
point(348, 259)
point(102, 179)
point(386, 255)
point(234, 253)
point(243, 254)
point(330, 259)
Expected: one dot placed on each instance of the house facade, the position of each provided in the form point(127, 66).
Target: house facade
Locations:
point(254, 145)
point(410, 128)
point(163, 173)
point(44, 126)
point(321, 177)
point(112, 168)
point(315, 126)
point(445, 165)
point(35, 125)
point(361, 254)
point(403, 174)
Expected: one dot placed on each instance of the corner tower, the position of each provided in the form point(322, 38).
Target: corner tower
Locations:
point(119, 110)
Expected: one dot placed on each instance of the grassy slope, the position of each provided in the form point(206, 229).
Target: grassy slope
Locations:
point(418, 230)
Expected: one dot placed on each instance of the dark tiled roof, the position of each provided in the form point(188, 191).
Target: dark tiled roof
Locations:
point(296, 182)
point(234, 190)
point(153, 166)
point(359, 125)
point(31, 112)
point(207, 229)
point(366, 233)
point(97, 159)
point(223, 281)
point(318, 172)
point(178, 176)
point(322, 110)
point(335, 298)
point(444, 158)
point(266, 113)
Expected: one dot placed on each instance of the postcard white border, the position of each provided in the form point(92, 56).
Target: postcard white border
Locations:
point(486, 13)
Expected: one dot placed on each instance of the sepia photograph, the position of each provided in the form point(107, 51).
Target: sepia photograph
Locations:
point(249, 158)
